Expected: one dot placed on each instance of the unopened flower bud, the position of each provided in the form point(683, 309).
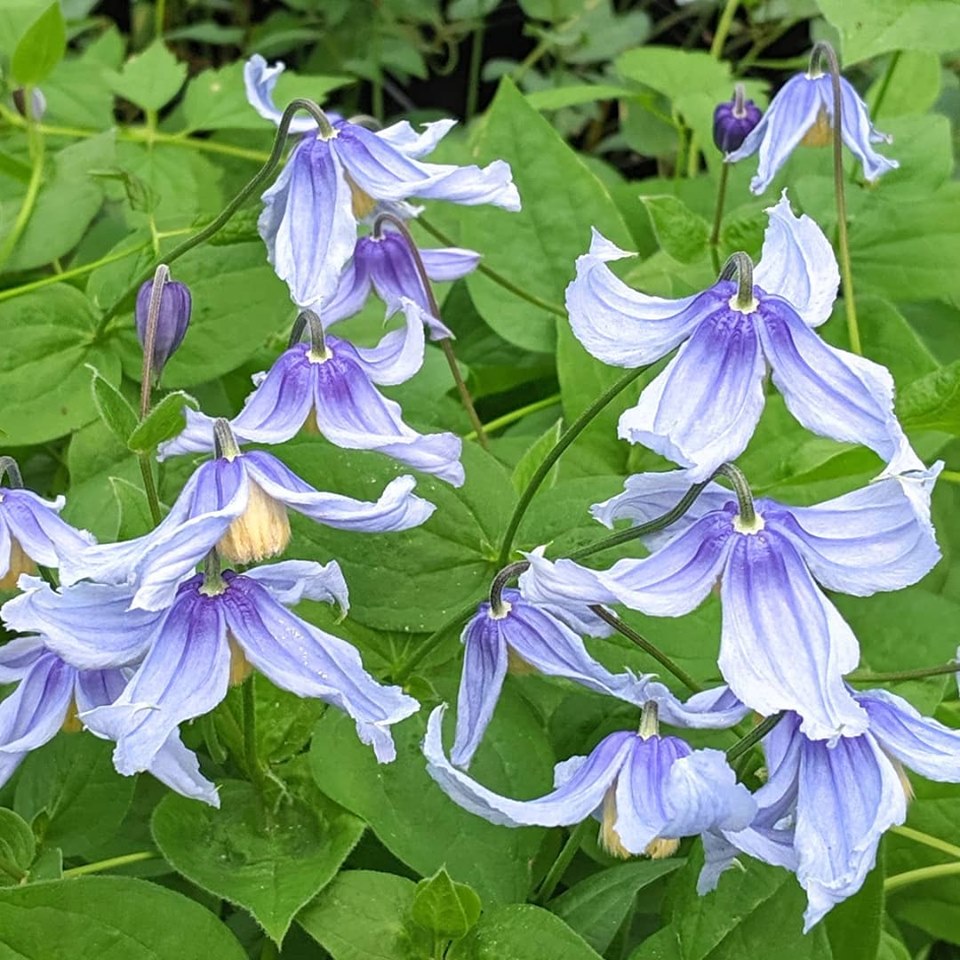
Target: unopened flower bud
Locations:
point(38, 103)
point(734, 120)
point(172, 323)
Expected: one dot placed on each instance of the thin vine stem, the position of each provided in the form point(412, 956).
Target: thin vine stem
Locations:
point(754, 736)
point(723, 29)
point(100, 865)
point(935, 843)
point(868, 676)
point(718, 216)
point(514, 415)
point(900, 880)
point(564, 858)
point(36, 148)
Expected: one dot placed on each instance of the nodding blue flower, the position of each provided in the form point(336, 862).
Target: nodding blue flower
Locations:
point(825, 807)
point(338, 175)
point(388, 265)
point(520, 635)
point(647, 791)
point(802, 113)
point(237, 503)
point(331, 386)
point(701, 411)
point(733, 120)
point(172, 322)
point(30, 530)
point(50, 694)
point(783, 645)
point(217, 628)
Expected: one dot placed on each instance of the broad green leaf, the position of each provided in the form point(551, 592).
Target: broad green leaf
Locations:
point(109, 917)
point(165, 421)
point(70, 792)
point(530, 462)
point(535, 248)
point(854, 925)
point(365, 915)
point(135, 517)
point(891, 948)
point(271, 870)
point(933, 401)
point(556, 98)
point(521, 931)
point(17, 848)
point(115, 410)
point(399, 798)
point(48, 339)
point(676, 73)
point(597, 906)
point(444, 907)
point(868, 27)
point(680, 232)
point(41, 48)
point(150, 79)
point(919, 79)
point(412, 580)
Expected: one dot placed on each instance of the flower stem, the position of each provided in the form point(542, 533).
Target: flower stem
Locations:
point(35, 144)
point(564, 858)
point(900, 880)
point(498, 278)
point(934, 843)
point(644, 644)
point(718, 216)
point(885, 83)
point(951, 476)
point(476, 61)
point(747, 513)
point(566, 438)
point(514, 415)
point(723, 29)
point(150, 488)
point(868, 676)
point(110, 864)
point(465, 398)
point(754, 736)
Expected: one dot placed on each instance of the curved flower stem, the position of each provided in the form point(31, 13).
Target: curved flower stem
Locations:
point(723, 29)
point(747, 513)
point(935, 843)
point(510, 571)
point(35, 145)
point(498, 278)
point(514, 415)
point(900, 880)
point(868, 676)
point(564, 858)
point(110, 864)
point(566, 438)
point(258, 179)
point(718, 217)
point(824, 50)
point(754, 736)
point(644, 644)
point(150, 488)
point(885, 83)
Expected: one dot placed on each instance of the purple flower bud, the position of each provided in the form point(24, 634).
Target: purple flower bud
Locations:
point(38, 102)
point(734, 120)
point(175, 304)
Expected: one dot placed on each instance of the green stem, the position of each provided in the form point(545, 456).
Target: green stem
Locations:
point(754, 736)
point(564, 858)
point(110, 864)
point(723, 28)
point(718, 216)
point(934, 843)
point(644, 644)
point(159, 16)
point(885, 84)
point(150, 488)
point(12, 870)
point(35, 143)
point(497, 278)
point(476, 61)
point(435, 639)
point(251, 760)
point(900, 880)
point(514, 415)
point(868, 676)
point(951, 476)
point(566, 438)
point(466, 399)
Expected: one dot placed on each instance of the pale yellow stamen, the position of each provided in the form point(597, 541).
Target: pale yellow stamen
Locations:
point(821, 133)
point(363, 203)
point(262, 530)
point(662, 847)
point(19, 563)
point(240, 666)
point(517, 665)
point(609, 839)
point(72, 722)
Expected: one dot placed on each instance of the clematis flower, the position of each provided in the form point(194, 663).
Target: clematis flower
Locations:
point(647, 791)
point(825, 807)
point(49, 695)
point(537, 636)
point(237, 503)
point(783, 645)
point(329, 383)
point(216, 630)
point(30, 530)
point(802, 113)
point(734, 119)
point(336, 176)
point(387, 264)
point(703, 408)
point(173, 321)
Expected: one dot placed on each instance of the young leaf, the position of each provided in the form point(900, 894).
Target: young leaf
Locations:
point(41, 48)
point(446, 908)
point(150, 79)
point(164, 421)
point(933, 401)
point(17, 847)
point(681, 233)
point(113, 407)
point(527, 465)
point(135, 516)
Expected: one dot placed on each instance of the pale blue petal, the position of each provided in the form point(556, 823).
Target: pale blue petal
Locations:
point(562, 582)
point(178, 768)
point(620, 325)
point(702, 410)
point(573, 801)
point(445, 264)
point(399, 355)
point(259, 81)
point(404, 138)
point(715, 709)
point(798, 264)
point(352, 290)
point(859, 133)
point(18, 655)
point(784, 646)
point(33, 522)
point(309, 662)
point(196, 436)
point(291, 581)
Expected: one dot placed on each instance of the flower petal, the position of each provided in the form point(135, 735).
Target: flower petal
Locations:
point(259, 81)
point(399, 355)
point(291, 581)
point(404, 138)
point(18, 655)
point(798, 264)
point(352, 290)
point(714, 709)
point(33, 713)
point(702, 410)
point(34, 523)
point(445, 264)
point(859, 133)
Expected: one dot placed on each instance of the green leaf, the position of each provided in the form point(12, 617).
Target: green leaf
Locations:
point(135, 516)
point(681, 233)
point(114, 408)
point(933, 401)
point(397, 799)
point(521, 931)
point(446, 908)
point(854, 925)
point(528, 464)
point(535, 248)
point(556, 98)
point(69, 790)
point(165, 421)
point(270, 871)
point(17, 847)
point(48, 338)
point(109, 917)
point(41, 48)
point(891, 948)
point(597, 906)
point(676, 73)
point(365, 915)
point(150, 79)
